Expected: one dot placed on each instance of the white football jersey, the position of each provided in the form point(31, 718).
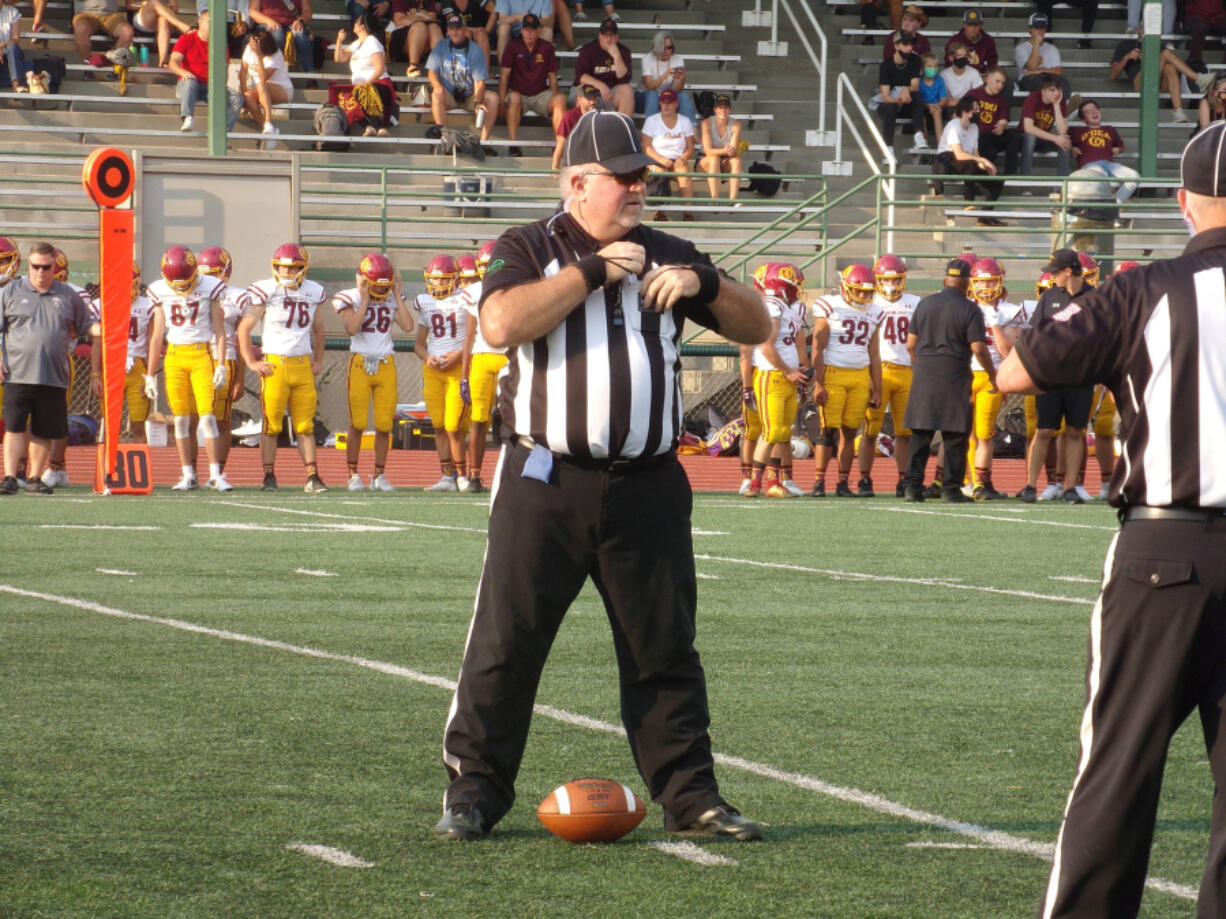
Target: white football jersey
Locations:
point(374, 338)
point(189, 319)
point(138, 327)
point(446, 321)
point(289, 314)
point(895, 326)
point(791, 318)
point(1010, 317)
point(94, 307)
point(851, 329)
point(471, 296)
point(232, 308)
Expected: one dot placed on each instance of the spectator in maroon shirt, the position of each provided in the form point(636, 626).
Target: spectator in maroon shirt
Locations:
point(980, 46)
point(288, 18)
point(1096, 145)
point(1202, 18)
point(995, 134)
point(606, 64)
point(528, 78)
point(913, 19)
point(589, 98)
point(1045, 125)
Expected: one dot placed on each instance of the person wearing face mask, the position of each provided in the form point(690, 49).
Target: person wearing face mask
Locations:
point(932, 91)
point(913, 19)
point(980, 46)
point(959, 78)
point(1212, 107)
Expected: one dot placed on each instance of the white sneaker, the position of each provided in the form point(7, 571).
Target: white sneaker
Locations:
point(793, 488)
point(446, 483)
point(380, 483)
point(745, 483)
point(187, 124)
point(1082, 493)
point(55, 478)
point(461, 483)
point(921, 142)
point(270, 128)
point(968, 489)
point(1179, 117)
point(355, 483)
point(1052, 492)
point(221, 484)
point(187, 483)
point(1105, 492)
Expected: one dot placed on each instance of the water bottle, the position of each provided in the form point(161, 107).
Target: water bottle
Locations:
point(480, 118)
point(144, 55)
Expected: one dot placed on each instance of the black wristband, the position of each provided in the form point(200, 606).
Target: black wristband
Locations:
point(594, 270)
point(708, 283)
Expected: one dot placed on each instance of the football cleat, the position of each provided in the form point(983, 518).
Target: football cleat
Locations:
point(793, 488)
point(1070, 496)
point(987, 493)
point(446, 483)
point(187, 483)
point(380, 483)
point(8, 485)
point(1082, 493)
point(1051, 493)
point(819, 489)
point(1105, 492)
point(39, 487)
point(1028, 494)
point(314, 485)
point(913, 494)
point(745, 483)
point(270, 482)
point(933, 490)
point(220, 484)
point(901, 488)
point(754, 489)
point(461, 483)
point(777, 491)
point(474, 485)
point(55, 478)
point(355, 483)
point(843, 490)
point(460, 821)
point(954, 496)
point(865, 488)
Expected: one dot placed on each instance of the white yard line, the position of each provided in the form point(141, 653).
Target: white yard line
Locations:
point(706, 577)
point(1076, 579)
point(91, 526)
point(119, 571)
point(332, 856)
point(993, 838)
point(692, 853)
point(927, 844)
point(320, 527)
point(1038, 523)
point(709, 533)
point(400, 523)
point(314, 573)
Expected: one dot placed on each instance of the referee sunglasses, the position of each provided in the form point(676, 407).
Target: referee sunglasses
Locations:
point(628, 179)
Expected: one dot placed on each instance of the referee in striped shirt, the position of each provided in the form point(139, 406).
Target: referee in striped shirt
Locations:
point(1156, 337)
point(591, 306)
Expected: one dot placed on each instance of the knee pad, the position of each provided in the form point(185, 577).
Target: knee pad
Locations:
point(183, 427)
point(305, 427)
point(208, 426)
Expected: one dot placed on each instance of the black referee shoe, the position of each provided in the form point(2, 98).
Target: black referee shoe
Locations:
point(865, 487)
point(724, 822)
point(901, 488)
point(1071, 497)
point(843, 490)
point(913, 494)
point(461, 821)
point(8, 485)
point(954, 496)
point(1028, 494)
point(39, 487)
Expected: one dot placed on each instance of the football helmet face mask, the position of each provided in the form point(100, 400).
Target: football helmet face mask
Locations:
point(441, 276)
point(1045, 282)
point(215, 262)
point(179, 269)
point(466, 267)
point(857, 286)
point(1089, 269)
point(890, 277)
point(10, 260)
point(987, 280)
point(483, 257)
point(289, 265)
point(380, 276)
point(61, 266)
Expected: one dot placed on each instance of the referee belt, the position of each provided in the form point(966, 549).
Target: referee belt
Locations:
point(1192, 514)
point(600, 464)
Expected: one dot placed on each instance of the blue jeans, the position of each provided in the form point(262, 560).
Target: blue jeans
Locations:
point(1104, 169)
point(302, 44)
point(16, 63)
point(190, 91)
point(648, 101)
point(1030, 143)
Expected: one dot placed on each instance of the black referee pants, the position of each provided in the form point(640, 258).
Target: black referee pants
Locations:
point(955, 457)
point(630, 533)
point(1157, 653)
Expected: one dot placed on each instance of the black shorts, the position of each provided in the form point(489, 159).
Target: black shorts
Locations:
point(1070, 403)
point(44, 408)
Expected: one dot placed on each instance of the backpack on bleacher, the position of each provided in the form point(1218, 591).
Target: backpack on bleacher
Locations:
point(704, 103)
point(330, 121)
point(53, 66)
point(764, 183)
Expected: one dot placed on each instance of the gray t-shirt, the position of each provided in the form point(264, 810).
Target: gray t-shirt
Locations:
point(98, 7)
point(38, 330)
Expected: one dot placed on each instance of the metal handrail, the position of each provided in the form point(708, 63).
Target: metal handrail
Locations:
point(819, 60)
point(843, 118)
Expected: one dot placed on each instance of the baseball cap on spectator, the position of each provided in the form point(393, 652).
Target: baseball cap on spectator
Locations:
point(972, 18)
point(610, 139)
point(609, 27)
point(455, 20)
point(1203, 164)
point(668, 96)
point(530, 21)
point(1038, 21)
point(591, 91)
point(1062, 259)
point(958, 268)
point(918, 13)
point(723, 99)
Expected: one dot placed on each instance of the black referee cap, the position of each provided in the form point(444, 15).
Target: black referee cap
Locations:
point(607, 138)
point(1203, 164)
point(958, 268)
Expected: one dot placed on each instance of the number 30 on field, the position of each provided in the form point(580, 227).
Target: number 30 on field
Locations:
point(133, 475)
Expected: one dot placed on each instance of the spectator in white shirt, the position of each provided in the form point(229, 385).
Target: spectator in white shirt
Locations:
point(960, 78)
point(10, 44)
point(663, 68)
point(263, 80)
point(1035, 57)
point(958, 154)
point(668, 138)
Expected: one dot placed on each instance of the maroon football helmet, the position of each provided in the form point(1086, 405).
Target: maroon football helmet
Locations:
point(10, 260)
point(1089, 268)
point(483, 257)
point(61, 266)
point(1127, 265)
point(987, 280)
point(179, 269)
point(215, 262)
point(293, 257)
point(890, 276)
point(441, 276)
point(857, 285)
point(466, 267)
point(380, 276)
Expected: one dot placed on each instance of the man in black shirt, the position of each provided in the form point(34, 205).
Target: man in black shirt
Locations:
point(946, 329)
point(591, 307)
point(1157, 650)
point(1070, 404)
point(898, 81)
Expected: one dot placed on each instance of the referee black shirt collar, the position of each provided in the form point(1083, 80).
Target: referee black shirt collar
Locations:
point(1214, 238)
point(567, 227)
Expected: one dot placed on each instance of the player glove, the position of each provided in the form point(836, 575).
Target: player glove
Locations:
point(371, 365)
point(747, 398)
point(221, 376)
point(466, 394)
point(127, 367)
point(151, 387)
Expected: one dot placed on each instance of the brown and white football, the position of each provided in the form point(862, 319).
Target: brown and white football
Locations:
point(591, 810)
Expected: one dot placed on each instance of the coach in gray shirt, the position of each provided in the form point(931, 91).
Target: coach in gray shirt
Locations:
point(40, 320)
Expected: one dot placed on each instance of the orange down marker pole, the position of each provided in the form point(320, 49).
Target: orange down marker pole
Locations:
point(108, 177)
